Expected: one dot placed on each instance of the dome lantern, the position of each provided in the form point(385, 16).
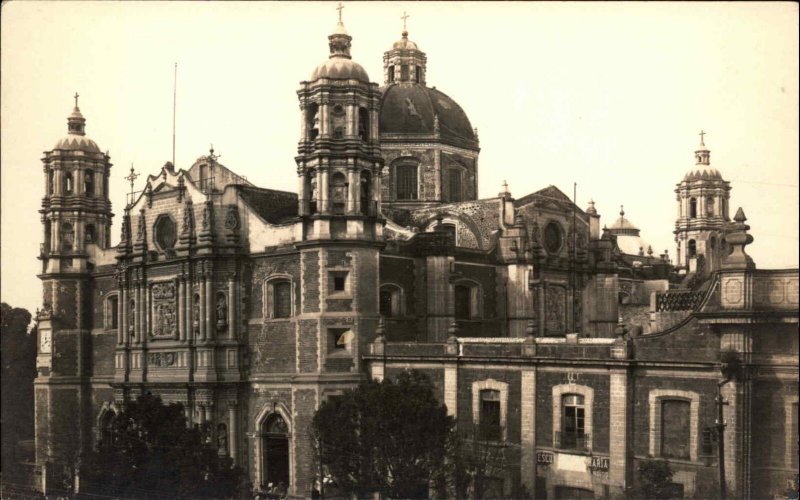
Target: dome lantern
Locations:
point(404, 63)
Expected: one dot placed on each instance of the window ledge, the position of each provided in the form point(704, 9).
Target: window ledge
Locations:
point(340, 295)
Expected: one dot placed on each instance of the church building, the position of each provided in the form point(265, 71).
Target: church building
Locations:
point(587, 351)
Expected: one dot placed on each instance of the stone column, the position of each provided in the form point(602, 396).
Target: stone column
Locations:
point(318, 193)
point(146, 313)
point(188, 296)
point(303, 190)
point(179, 305)
point(187, 412)
point(324, 192)
point(233, 431)
point(232, 310)
point(618, 429)
point(121, 315)
point(202, 319)
point(210, 324)
point(528, 429)
point(352, 185)
point(451, 388)
point(137, 324)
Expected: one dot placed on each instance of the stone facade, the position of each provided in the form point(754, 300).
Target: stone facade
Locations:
point(251, 306)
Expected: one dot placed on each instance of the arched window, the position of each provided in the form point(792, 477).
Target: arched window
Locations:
point(88, 183)
point(67, 236)
point(691, 249)
point(692, 208)
point(363, 123)
point(709, 206)
point(449, 228)
point(391, 301)
point(50, 182)
point(338, 192)
point(391, 74)
point(112, 312)
point(366, 192)
point(404, 72)
point(204, 180)
point(406, 182)
point(222, 440)
point(105, 429)
point(279, 298)
point(312, 121)
point(311, 182)
point(68, 183)
point(417, 74)
point(573, 422)
point(90, 235)
point(221, 309)
point(490, 427)
point(454, 185)
point(275, 459)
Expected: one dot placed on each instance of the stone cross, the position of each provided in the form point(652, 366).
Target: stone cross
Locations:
point(701, 137)
point(339, 8)
point(404, 17)
point(132, 177)
point(76, 99)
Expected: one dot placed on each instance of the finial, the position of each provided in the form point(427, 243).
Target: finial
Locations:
point(76, 99)
point(132, 177)
point(405, 17)
point(591, 210)
point(701, 137)
point(339, 8)
point(621, 210)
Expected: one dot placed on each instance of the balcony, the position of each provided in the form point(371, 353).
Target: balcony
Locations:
point(576, 441)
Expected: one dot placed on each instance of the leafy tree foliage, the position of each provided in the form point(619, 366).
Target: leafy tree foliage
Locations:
point(18, 372)
point(655, 480)
point(388, 437)
point(147, 451)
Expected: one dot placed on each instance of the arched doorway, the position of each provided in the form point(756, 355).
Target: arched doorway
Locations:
point(275, 456)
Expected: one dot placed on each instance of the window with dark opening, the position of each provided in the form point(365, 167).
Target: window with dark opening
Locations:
point(68, 183)
point(406, 188)
point(88, 183)
point(386, 303)
point(90, 235)
point(391, 74)
point(693, 208)
point(312, 121)
point(675, 428)
point(281, 299)
point(404, 73)
point(709, 206)
point(573, 435)
point(692, 248)
point(490, 428)
point(342, 338)
point(112, 312)
point(463, 299)
point(338, 283)
point(363, 123)
point(454, 185)
point(365, 192)
point(50, 183)
point(338, 190)
point(417, 74)
point(67, 236)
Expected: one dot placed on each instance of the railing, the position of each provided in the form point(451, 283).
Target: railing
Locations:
point(571, 441)
point(678, 301)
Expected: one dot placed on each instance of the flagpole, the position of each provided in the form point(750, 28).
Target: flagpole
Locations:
point(174, 100)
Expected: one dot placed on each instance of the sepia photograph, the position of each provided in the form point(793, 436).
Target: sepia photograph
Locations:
point(399, 250)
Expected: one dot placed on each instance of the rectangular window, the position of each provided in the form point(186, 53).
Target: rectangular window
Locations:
point(112, 304)
point(454, 185)
point(463, 300)
point(404, 73)
point(341, 339)
point(338, 283)
point(406, 188)
point(490, 415)
point(282, 299)
point(573, 423)
point(675, 428)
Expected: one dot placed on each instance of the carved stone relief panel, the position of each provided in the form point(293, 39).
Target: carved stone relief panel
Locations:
point(164, 313)
point(554, 309)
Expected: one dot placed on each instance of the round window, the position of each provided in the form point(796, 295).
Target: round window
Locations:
point(338, 110)
point(552, 238)
point(165, 233)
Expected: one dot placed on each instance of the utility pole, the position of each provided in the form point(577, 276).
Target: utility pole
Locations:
point(720, 425)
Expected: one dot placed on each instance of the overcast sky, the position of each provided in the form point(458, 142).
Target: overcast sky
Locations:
point(611, 96)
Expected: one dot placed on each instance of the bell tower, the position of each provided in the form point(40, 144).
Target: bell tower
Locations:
point(76, 218)
point(703, 217)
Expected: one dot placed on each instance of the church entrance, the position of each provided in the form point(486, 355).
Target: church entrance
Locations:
point(275, 436)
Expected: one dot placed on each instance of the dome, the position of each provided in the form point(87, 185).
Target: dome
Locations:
point(404, 43)
point(631, 245)
point(703, 174)
point(77, 143)
point(413, 108)
point(340, 68)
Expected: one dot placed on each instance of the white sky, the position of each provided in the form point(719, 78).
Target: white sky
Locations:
point(611, 96)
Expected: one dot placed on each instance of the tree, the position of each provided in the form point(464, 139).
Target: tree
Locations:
point(18, 372)
point(387, 437)
point(147, 451)
point(655, 480)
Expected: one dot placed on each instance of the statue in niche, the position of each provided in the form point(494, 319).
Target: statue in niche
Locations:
point(196, 313)
point(222, 311)
point(140, 234)
point(222, 440)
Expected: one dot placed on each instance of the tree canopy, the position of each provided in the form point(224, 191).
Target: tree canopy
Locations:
point(147, 451)
point(388, 437)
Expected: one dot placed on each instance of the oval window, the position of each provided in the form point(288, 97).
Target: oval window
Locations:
point(552, 238)
point(165, 233)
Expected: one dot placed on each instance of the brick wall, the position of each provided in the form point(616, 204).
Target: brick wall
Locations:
point(467, 376)
point(400, 272)
point(307, 350)
point(304, 456)
point(273, 347)
point(311, 281)
point(102, 362)
point(263, 269)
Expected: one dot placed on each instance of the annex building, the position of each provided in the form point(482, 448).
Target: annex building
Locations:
point(579, 348)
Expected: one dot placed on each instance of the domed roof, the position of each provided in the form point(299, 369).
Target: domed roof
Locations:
point(340, 68)
point(77, 143)
point(404, 43)
point(414, 108)
point(702, 174)
point(623, 226)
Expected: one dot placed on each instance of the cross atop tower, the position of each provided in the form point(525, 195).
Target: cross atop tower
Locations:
point(339, 8)
point(76, 99)
point(132, 177)
point(404, 17)
point(701, 138)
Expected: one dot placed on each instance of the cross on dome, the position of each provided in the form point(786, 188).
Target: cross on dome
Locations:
point(339, 8)
point(702, 133)
point(404, 17)
point(76, 99)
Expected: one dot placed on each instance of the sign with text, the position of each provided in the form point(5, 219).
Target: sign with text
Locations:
point(599, 463)
point(544, 458)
